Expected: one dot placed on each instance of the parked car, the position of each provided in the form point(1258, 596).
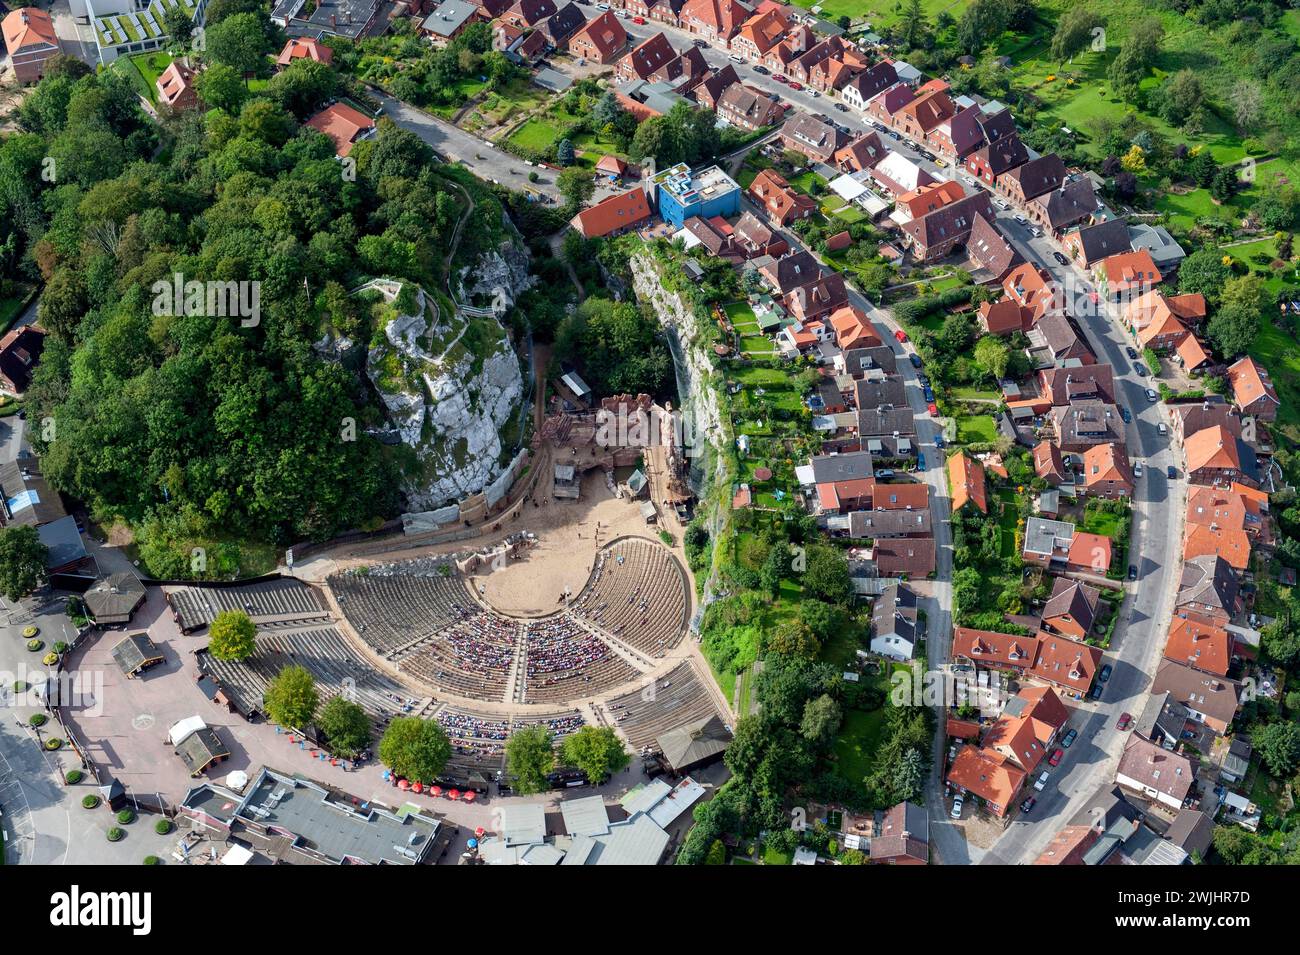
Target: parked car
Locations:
point(1137, 469)
point(1070, 736)
point(929, 393)
point(639, 21)
point(760, 68)
point(920, 462)
point(1036, 232)
point(1021, 219)
point(1104, 673)
point(1057, 755)
point(1162, 428)
point(901, 335)
point(894, 136)
point(1171, 472)
point(1041, 783)
point(1001, 203)
point(779, 78)
point(914, 358)
point(1132, 572)
point(956, 807)
point(886, 473)
point(1126, 415)
point(841, 107)
point(1028, 805)
point(1125, 721)
point(796, 85)
point(1152, 395)
point(703, 43)
point(1060, 259)
point(1095, 692)
point(736, 58)
point(939, 442)
point(940, 163)
point(1131, 352)
point(932, 408)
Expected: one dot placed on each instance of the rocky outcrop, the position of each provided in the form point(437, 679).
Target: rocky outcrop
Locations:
point(450, 384)
point(499, 276)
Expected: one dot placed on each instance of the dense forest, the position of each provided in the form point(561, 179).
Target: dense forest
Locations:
point(200, 430)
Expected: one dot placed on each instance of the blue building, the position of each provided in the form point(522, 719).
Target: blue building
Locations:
point(682, 194)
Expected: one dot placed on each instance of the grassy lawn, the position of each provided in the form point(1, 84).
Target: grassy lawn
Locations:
point(1278, 351)
point(1096, 521)
point(880, 13)
point(805, 180)
point(772, 857)
point(10, 307)
point(857, 742)
point(757, 345)
point(968, 391)
point(133, 71)
point(535, 134)
point(972, 429)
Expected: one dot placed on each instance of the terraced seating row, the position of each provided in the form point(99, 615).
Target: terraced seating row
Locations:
point(566, 660)
point(327, 655)
point(391, 609)
point(287, 598)
point(478, 741)
point(637, 593)
point(675, 700)
point(471, 657)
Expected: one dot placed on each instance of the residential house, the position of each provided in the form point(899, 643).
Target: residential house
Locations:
point(1032, 287)
point(1252, 389)
point(450, 19)
point(1089, 245)
point(1027, 727)
point(1068, 665)
point(713, 234)
point(818, 299)
point(30, 41)
point(1004, 317)
point(1162, 720)
point(1089, 553)
point(526, 13)
point(1085, 424)
point(989, 249)
point(817, 140)
point(1222, 521)
point(344, 125)
point(894, 630)
point(863, 87)
point(988, 775)
point(1106, 472)
point(884, 392)
point(1208, 699)
point(566, 22)
point(917, 118)
point(853, 329)
point(759, 34)
point(1029, 179)
point(1199, 643)
point(1071, 610)
point(905, 557)
point(1155, 772)
point(601, 41)
point(959, 135)
point(1126, 275)
point(1155, 239)
point(646, 60)
point(755, 239)
point(1236, 762)
point(993, 650)
point(304, 48)
point(1188, 418)
point(927, 199)
point(789, 272)
point(901, 496)
point(614, 215)
point(1064, 386)
point(878, 525)
point(884, 107)
point(898, 175)
point(1049, 464)
point(863, 362)
point(1208, 587)
point(682, 192)
point(1192, 354)
point(715, 20)
point(1156, 308)
point(903, 838)
point(746, 108)
point(861, 154)
point(708, 92)
point(935, 235)
point(1215, 456)
point(780, 204)
point(20, 350)
point(1069, 846)
point(967, 483)
point(175, 86)
point(992, 162)
point(1047, 542)
point(887, 432)
point(1061, 208)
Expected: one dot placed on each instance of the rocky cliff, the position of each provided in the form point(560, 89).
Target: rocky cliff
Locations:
point(451, 385)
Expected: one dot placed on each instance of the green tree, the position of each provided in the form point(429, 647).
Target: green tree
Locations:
point(913, 28)
point(221, 86)
point(241, 41)
point(564, 153)
point(1074, 32)
point(776, 567)
point(530, 756)
point(291, 698)
point(177, 24)
point(792, 637)
point(992, 357)
point(981, 23)
point(596, 750)
point(232, 636)
point(345, 725)
point(1181, 97)
point(415, 749)
point(1278, 745)
point(22, 561)
point(827, 574)
point(821, 720)
point(576, 185)
point(1204, 272)
point(1232, 329)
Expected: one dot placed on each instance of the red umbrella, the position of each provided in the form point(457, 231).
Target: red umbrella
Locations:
point(469, 796)
point(479, 831)
point(418, 786)
point(435, 790)
point(453, 793)
point(403, 785)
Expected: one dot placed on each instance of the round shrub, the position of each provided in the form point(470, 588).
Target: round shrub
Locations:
point(38, 719)
point(29, 632)
point(126, 817)
point(162, 826)
point(74, 776)
point(115, 834)
point(53, 743)
point(50, 659)
point(90, 802)
point(35, 646)
point(152, 860)
point(20, 686)
point(60, 646)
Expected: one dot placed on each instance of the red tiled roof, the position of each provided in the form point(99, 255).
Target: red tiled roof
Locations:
point(621, 211)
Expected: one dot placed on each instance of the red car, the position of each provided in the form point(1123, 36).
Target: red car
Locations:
point(932, 408)
point(1125, 721)
point(639, 21)
point(901, 335)
point(779, 78)
point(1056, 757)
point(796, 86)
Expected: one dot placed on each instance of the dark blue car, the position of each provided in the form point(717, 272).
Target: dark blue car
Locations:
point(915, 359)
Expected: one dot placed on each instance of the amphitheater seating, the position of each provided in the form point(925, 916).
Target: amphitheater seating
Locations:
point(471, 657)
point(478, 741)
point(393, 605)
point(637, 593)
point(327, 655)
point(678, 698)
point(273, 602)
point(566, 660)
point(560, 724)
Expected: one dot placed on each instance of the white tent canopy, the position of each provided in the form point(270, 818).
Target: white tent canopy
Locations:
point(181, 730)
